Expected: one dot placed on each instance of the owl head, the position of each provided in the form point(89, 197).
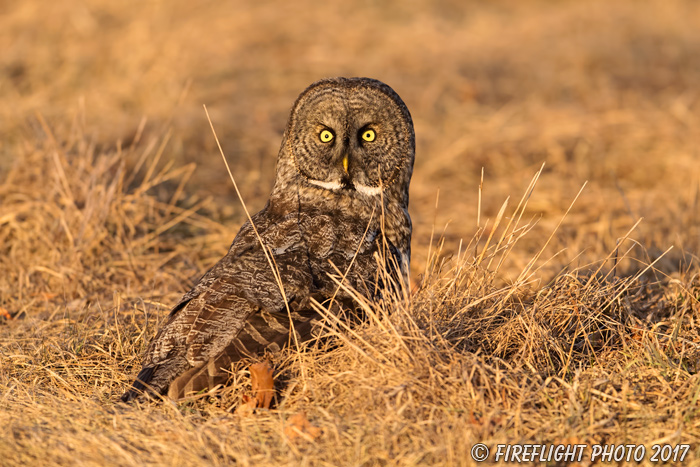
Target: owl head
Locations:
point(349, 137)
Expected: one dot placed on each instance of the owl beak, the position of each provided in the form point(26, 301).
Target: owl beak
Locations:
point(345, 163)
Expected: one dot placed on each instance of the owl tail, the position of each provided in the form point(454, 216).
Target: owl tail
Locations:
point(140, 384)
point(154, 379)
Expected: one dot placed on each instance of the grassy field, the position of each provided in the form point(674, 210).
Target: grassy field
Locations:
point(550, 304)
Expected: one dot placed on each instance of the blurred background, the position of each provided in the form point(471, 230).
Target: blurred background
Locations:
point(599, 91)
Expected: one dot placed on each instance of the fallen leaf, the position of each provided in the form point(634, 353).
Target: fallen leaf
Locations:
point(298, 426)
point(261, 379)
point(263, 384)
point(247, 408)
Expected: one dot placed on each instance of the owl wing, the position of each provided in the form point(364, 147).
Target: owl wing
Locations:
point(236, 310)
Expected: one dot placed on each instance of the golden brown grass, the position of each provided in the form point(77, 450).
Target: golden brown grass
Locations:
point(544, 321)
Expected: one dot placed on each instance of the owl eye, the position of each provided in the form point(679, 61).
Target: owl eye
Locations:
point(369, 135)
point(326, 136)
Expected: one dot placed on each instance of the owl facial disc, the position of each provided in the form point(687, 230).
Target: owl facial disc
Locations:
point(353, 137)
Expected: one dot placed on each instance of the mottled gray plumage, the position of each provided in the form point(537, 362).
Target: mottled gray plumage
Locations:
point(343, 174)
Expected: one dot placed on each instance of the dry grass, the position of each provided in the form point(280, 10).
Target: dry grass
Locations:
point(533, 324)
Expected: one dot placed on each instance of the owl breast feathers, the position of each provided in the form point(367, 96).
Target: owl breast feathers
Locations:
point(340, 196)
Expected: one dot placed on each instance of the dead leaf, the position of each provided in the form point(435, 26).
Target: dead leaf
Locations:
point(263, 383)
point(298, 426)
point(247, 408)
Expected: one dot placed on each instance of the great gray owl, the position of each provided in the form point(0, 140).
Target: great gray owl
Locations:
point(340, 198)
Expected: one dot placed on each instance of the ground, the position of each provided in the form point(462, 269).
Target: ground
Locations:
point(555, 285)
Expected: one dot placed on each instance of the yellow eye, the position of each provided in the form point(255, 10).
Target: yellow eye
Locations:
point(326, 136)
point(369, 135)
